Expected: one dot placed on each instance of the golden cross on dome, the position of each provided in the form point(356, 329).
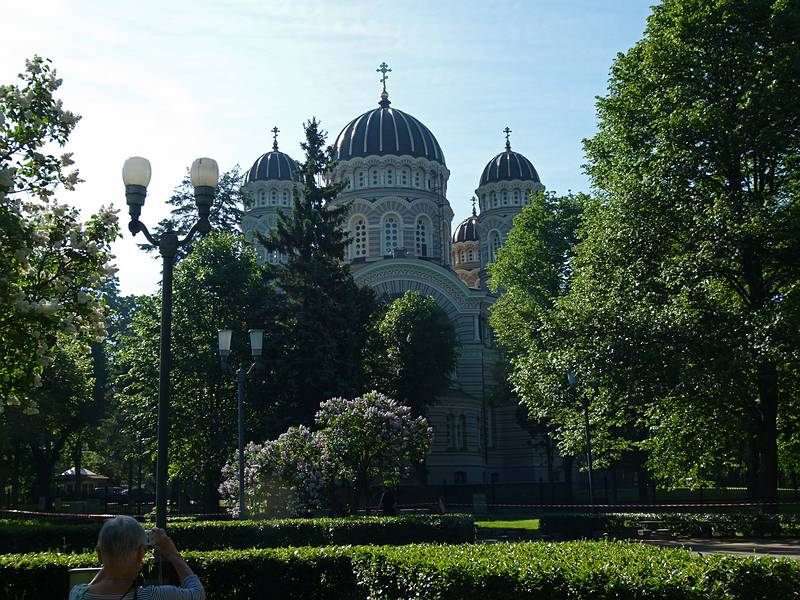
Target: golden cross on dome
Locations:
point(275, 131)
point(384, 69)
point(507, 131)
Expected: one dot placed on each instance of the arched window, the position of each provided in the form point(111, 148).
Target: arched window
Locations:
point(505, 198)
point(390, 176)
point(489, 427)
point(422, 238)
point(360, 178)
point(262, 198)
point(374, 176)
point(451, 431)
point(391, 234)
point(417, 175)
point(493, 200)
point(358, 233)
point(404, 177)
point(471, 255)
point(461, 426)
point(494, 244)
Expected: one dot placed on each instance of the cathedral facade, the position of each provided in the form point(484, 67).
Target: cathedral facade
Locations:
point(400, 224)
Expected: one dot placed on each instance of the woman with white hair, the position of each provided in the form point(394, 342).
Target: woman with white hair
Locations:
point(121, 548)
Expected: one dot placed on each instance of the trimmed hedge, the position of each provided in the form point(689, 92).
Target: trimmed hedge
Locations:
point(535, 571)
point(217, 535)
point(720, 524)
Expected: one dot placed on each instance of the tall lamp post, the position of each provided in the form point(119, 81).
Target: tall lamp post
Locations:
point(572, 380)
point(136, 176)
point(256, 346)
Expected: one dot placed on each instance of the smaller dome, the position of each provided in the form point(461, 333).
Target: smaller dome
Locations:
point(507, 166)
point(274, 165)
point(467, 230)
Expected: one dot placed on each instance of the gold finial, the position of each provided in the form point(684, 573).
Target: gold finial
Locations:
point(275, 132)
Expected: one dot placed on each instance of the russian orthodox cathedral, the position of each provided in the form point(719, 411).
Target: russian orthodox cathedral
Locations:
point(400, 225)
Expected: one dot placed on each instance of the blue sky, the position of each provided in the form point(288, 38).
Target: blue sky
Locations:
point(176, 80)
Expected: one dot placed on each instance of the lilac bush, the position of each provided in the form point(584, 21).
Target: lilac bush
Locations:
point(372, 438)
point(281, 477)
point(357, 442)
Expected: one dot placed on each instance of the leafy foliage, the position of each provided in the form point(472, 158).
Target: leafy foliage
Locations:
point(415, 351)
point(539, 571)
point(682, 302)
point(219, 284)
point(358, 440)
point(52, 264)
point(273, 533)
point(325, 314)
point(226, 212)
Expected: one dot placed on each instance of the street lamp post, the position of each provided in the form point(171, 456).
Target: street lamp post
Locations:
point(136, 176)
point(256, 345)
point(572, 380)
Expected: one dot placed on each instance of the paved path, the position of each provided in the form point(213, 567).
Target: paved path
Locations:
point(777, 548)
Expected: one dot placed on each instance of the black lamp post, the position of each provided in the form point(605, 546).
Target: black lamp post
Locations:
point(572, 380)
point(256, 345)
point(136, 175)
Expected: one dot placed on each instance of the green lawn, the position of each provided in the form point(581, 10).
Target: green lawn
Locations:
point(511, 524)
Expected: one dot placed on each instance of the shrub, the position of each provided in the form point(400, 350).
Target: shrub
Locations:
point(217, 535)
point(722, 524)
point(536, 571)
point(597, 570)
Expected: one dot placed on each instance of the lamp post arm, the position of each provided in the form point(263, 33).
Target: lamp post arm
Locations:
point(136, 226)
point(198, 227)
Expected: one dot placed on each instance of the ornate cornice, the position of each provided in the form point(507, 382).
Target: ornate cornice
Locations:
point(441, 279)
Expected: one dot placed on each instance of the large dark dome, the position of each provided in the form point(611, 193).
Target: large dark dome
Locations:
point(467, 230)
point(274, 165)
point(508, 166)
point(387, 131)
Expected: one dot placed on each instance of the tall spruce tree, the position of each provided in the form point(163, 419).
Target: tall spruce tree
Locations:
point(326, 314)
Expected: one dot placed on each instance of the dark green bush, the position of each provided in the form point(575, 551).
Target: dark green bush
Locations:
point(216, 535)
point(535, 571)
point(695, 524)
point(550, 571)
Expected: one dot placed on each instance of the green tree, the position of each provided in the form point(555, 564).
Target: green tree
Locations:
point(324, 314)
point(683, 303)
point(533, 271)
point(52, 263)
point(66, 407)
point(356, 442)
point(226, 212)
point(415, 351)
point(218, 285)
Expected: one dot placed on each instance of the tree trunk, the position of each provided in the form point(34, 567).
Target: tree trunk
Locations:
point(77, 459)
point(768, 433)
point(643, 477)
point(752, 467)
point(210, 502)
point(362, 491)
point(567, 463)
point(41, 484)
point(15, 476)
